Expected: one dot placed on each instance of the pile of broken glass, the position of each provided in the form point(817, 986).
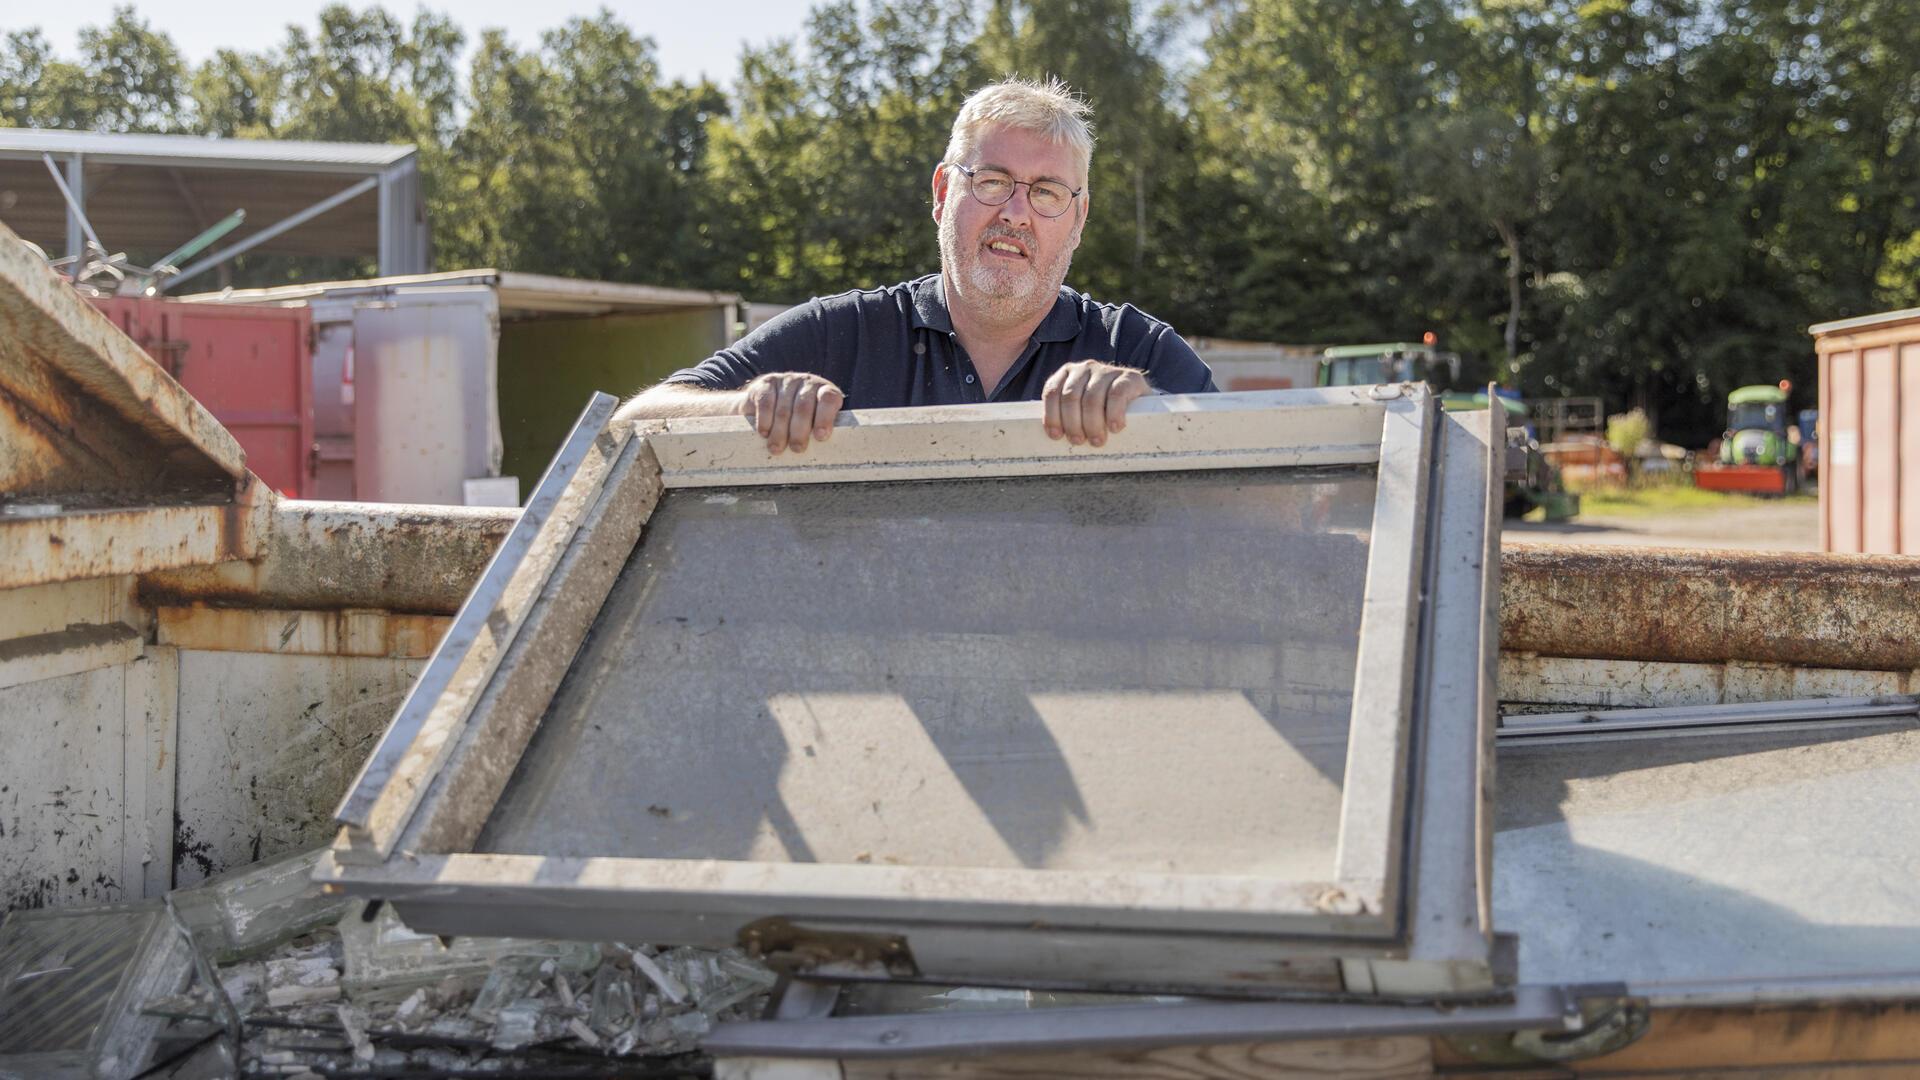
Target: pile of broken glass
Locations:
point(283, 980)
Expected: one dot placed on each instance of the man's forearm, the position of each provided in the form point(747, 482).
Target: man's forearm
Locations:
point(669, 400)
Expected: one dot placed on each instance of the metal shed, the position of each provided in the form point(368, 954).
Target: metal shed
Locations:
point(147, 194)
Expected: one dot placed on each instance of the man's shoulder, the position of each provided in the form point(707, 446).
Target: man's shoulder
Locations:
point(837, 313)
point(897, 297)
point(1123, 317)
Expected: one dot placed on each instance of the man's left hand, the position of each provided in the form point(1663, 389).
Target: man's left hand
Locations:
point(1088, 399)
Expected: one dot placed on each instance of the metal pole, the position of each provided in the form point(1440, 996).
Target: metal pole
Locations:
point(388, 246)
point(273, 230)
point(73, 189)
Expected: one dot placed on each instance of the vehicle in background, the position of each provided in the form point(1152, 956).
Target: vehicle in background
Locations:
point(1809, 446)
point(1369, 365)
point(1760, 452)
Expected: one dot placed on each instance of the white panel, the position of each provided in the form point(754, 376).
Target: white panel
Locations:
point(61, 780)
point(268, 745)
point(152, 761)
point(425, 396)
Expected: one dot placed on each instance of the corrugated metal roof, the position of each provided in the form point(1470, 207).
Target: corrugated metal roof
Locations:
point(519, 292)
point(198, 151)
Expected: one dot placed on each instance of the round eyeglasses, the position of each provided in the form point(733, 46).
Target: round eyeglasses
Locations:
point(991, 187)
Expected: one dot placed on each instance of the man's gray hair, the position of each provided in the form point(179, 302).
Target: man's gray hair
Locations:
point(1047, 108)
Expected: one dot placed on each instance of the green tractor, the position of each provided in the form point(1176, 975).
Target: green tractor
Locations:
point(1369, 365)
point(1760, 452)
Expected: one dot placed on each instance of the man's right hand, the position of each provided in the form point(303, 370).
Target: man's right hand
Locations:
point(790, 408)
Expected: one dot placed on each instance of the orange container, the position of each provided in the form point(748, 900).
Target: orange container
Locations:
point(1870, 433)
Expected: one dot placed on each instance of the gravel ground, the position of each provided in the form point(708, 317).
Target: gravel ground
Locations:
point(1787, 526)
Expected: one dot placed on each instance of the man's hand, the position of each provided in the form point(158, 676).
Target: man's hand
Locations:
point(1086, 400)
point(788, 408)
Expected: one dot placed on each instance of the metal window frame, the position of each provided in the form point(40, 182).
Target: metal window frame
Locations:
point(411, 818)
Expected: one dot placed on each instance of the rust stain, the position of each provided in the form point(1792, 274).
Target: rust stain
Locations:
point(339, 556)
point(316, 633)
point(1692, 606)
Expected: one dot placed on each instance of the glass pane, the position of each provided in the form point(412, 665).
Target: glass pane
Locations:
point(1146, 672)
point(1703, 857)
point(58, 974)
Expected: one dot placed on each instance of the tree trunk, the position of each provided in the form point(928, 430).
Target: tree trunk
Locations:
point(1139, 223)
point(1511, 237)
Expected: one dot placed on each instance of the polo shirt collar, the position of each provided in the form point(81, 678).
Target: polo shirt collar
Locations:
point(930, 311)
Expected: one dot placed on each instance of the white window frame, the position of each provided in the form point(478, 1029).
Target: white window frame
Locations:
point(1419, 740)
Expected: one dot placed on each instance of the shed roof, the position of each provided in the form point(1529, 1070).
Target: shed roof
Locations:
point(195, 150)
point(148, 194)
point(1865, 322)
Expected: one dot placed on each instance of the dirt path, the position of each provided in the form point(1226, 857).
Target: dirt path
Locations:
point(1786, 526)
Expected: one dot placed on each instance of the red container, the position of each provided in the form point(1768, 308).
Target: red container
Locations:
point(1870, 433)
point(250, 365)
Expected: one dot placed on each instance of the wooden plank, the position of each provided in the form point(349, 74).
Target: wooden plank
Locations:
point(1355, 1059)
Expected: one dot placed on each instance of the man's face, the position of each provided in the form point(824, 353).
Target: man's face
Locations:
point(1007, 262)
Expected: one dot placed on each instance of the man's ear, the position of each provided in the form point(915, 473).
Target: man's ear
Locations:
point(939, 189)
point(1086, 207)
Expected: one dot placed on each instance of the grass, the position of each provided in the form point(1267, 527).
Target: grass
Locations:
point(1674, 498)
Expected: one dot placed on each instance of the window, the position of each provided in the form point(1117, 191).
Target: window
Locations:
point(944, 699)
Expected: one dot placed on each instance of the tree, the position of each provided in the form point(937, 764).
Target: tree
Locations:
point(822, 173)
point(128, 78)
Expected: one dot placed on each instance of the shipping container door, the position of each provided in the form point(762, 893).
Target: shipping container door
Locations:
point(426, 414)
point(1909, 455)
point(1840, 469)
point(1879, 451)
point(333, 393)
point(252, 367)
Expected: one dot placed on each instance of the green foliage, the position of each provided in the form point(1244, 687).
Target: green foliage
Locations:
point(1626, 431)
point(1648, 201)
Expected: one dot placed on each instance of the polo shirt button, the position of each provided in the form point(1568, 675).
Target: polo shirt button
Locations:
point(969, 380)
point(919, 348)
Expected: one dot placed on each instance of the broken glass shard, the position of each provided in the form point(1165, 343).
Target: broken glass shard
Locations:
point(73, 983)
point(387, 961)
point(247, 912)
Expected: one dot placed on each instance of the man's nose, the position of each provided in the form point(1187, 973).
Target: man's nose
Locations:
point(1019, 208)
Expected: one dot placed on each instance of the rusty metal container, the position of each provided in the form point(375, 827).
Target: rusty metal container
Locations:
point(1870, 433)
point(251, 366)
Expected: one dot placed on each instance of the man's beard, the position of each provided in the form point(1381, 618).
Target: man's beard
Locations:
point(1010, 293)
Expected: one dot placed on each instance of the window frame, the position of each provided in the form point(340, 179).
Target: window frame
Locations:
point(413, 814)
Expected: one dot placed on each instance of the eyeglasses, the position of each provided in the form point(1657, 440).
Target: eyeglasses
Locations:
point(991, 187)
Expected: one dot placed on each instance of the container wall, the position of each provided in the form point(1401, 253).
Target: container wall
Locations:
point(1870, 427)
point(549, 368)
point(268, 744)
point(251, 366)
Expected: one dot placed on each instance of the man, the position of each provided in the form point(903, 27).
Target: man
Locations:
point(995, 324)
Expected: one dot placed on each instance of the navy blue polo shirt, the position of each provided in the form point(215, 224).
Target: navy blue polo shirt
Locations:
point(891, 347)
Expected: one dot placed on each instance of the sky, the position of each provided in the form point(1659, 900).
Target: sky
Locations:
point(692, 37)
